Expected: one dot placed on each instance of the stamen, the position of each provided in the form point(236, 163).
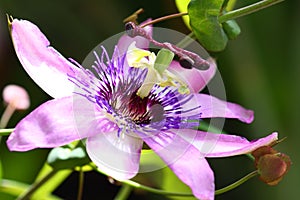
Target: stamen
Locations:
point(115, 93)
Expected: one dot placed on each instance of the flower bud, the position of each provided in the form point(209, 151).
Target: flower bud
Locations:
point(16, 96)
point(271, 164)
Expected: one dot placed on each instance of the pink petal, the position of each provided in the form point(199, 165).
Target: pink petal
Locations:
point(141, 42)
point(223, 145)
point(116, 155)
point(196, 79)
point(17, 96)
point(55, 123)
point(185, 161)
point(46, 66)
point(211, 107)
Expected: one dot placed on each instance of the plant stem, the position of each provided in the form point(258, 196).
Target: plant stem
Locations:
point(28, 193)
point(237, 183)
point(8, 112)
point(162, 192)
point(124, 192)
point(80, 185)
point(247, 10)
point(163, 19)
point(15, 188)
point(6, 131)
point(154, 190)
point(227, 16)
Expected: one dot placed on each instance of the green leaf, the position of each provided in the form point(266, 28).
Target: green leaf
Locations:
point(204, 22)
point(182, 7)
point(66, 158)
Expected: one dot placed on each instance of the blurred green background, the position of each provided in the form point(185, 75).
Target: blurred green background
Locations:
point(260, 70)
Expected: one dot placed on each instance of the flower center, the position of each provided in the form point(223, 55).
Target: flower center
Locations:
point(138, 110)
point(113, 87)
point(141, 111)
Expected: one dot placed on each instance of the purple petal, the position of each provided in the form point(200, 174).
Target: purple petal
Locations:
point(116, 155)
point(196, 79)
point(141, 42)
point(55, 123)
point(211, 107)
point(46, 66)
point(186, 162)
point(223, 145)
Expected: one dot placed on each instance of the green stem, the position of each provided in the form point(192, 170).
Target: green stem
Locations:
point(166, 193)
point(237, 183)
point(124, 192)
point(249, 155)
point(16, 188)
point(6, 131)
point(28, 193)
point(247, 10)
point(80, 185)
point(153, 190)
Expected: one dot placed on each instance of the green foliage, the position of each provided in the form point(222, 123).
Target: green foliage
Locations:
point(268, 72)
point(0, 169)
point(66, 158)
point(182, 7)
point(10, 189)
point(231, 29)
point(204, 22)
point(47, 188)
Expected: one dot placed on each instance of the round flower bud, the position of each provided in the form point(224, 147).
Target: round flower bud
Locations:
point(271, 164)
point(16, 96)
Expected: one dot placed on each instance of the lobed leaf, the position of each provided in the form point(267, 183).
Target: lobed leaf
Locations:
point(204, 22)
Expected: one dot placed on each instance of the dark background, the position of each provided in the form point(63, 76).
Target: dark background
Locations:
point(260, 70)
